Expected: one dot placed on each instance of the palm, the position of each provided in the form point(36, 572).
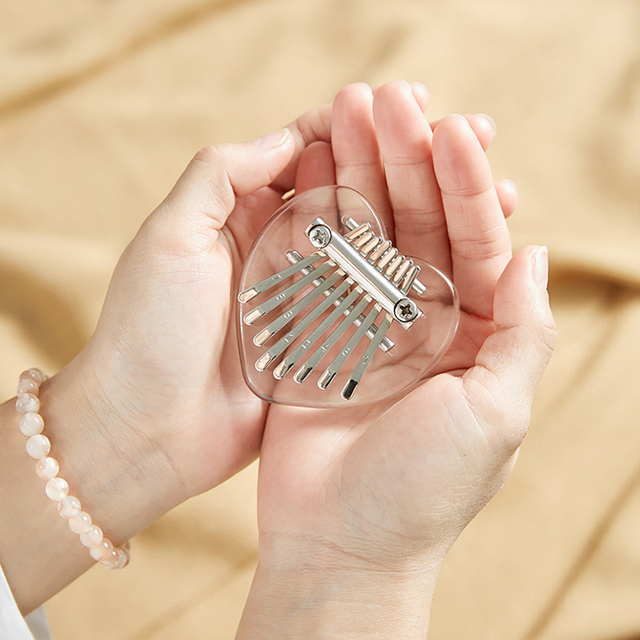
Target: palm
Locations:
point(352, 472)
point(165, 333)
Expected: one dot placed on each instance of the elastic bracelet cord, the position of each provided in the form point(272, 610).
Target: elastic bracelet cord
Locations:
point(57, 488)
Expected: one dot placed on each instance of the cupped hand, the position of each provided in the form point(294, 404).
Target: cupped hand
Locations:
point(396, 482)
point(162, 365)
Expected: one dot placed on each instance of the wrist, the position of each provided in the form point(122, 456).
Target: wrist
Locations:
point(121, 476)
point(118, 477)
point(311, 589)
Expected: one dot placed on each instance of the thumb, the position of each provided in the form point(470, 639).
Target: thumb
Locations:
point(510, 364)
point(219, 173)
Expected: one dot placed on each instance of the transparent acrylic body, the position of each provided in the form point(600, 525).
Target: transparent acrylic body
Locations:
point(300, 333)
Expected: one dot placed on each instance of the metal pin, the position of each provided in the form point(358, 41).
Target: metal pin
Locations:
point(379, 251)
point(356, 230)
point(370, 246)
point(279, 298)
point(394, 265)
point(386, 258)
point(410, 278)
point(332, 370)
point(288, 339)
point(362, 240)
point(406, 265)
point(291, 359)
point(351, 386)
point(351, 224)
point(291, 313)
point(273, 280)
point(314, 359)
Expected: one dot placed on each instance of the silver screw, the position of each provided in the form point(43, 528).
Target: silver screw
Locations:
point(320, 236)
point(405, 310)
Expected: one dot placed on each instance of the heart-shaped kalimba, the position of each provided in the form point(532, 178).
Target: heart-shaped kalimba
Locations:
point(331, 314)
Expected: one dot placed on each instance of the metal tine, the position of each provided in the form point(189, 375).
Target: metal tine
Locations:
point(370, 246)
point(386, 259)
point(356, 231)
point(291, 313)
point(379, 251)
point(356, 377)
point(404, 267)
point(386, 343)
point(273, 280)
point(410, 278)
point(279, 298)
point(292, 358)
point(331, 371)
point(363, 239)
point(263, 362)
point(314, 359)
point(394, 265)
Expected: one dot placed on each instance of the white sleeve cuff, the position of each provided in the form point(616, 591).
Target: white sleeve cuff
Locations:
point(12, 625)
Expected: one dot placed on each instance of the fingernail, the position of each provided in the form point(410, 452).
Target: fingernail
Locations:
point(540, 267)
point(271, 140)
point(459, 116)
point(513, 185)
point(492, 122)
point(419, 88)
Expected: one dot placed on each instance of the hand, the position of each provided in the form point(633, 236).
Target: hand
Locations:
point(161, 373)
point(357, 505)
point(154, 409)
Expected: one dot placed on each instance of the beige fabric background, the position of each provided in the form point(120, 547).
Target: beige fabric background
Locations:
point(105, 102)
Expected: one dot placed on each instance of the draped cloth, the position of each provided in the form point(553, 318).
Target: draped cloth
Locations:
point(103, 104)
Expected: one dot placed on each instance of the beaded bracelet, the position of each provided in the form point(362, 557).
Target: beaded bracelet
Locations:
point(57, 488)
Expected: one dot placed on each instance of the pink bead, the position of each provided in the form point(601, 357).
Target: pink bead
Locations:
point(92, 537)
point(38, 446)
point(113, 560)
point(69, 507)
point(56, 489)
point(102, 551)
point(47, 468)
point(35, 374)
point(27, 385)
point(31, 424)
point(27, 403)
point(80, 523)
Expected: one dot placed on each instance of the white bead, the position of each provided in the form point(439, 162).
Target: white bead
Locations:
point(80, 523)
point(92, 537)
point(102, 551)
point(27, 403)
point(47, 468)
point(123, 559)
point(69, 507)
point(56, 489)
point(35, 374)
point(126, 551)
point(27, 385)
point(38, 446)
point(31, 424)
